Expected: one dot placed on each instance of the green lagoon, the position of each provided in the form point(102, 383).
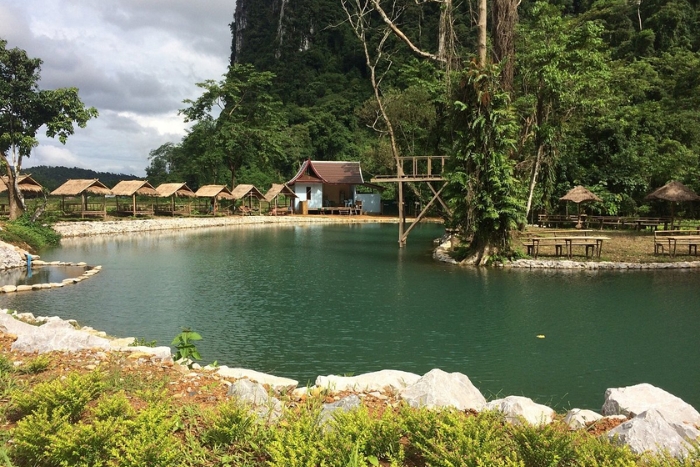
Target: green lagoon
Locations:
point(344, 299)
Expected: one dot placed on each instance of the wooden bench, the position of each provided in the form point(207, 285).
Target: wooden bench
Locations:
point(668, 240)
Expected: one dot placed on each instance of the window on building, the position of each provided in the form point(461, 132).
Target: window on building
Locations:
point(308, 192)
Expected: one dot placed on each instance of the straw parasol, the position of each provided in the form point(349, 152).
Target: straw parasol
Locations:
point(580, 195)
point(673, 192)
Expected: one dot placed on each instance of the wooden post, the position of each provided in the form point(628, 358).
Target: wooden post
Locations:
point(133, 210)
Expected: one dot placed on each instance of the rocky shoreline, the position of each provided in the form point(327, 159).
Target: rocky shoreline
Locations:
point(643, 417)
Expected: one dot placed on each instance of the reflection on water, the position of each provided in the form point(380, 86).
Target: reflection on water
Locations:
point(309, 300)
point(39, 275)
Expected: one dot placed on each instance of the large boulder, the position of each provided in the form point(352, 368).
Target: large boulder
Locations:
point(649, 431)
point(518, 409)
point(438, 388)
point(55, 334)
point(277, 383)
point(634, 400)
point(384, 380)
point(10, 257)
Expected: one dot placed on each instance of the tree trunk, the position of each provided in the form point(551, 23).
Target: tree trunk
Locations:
point(14, 195)
point(481, 45)
point(533, 180)
point(505, 19)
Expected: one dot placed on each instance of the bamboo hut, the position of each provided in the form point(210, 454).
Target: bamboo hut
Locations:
point(132, 189)
point(83, 188)
point(29, 187)
point(214, 193)
point(247, 192)
point(172, 191)
point(273, 195)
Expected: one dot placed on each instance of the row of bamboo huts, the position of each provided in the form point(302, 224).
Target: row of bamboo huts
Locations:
point(88, 197)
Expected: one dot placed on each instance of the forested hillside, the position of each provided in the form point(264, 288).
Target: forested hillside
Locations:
point(604, 93)
point(53, 177)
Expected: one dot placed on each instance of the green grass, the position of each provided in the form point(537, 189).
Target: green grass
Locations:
point(34, 234)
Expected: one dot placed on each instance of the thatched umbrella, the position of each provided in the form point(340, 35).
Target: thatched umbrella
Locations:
point(580, 195)
point(673, 192)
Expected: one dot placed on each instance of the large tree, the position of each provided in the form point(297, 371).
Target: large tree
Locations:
point(247, 127)
point(24, 109)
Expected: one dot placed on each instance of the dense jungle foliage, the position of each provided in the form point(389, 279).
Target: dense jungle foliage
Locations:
point(606, 94)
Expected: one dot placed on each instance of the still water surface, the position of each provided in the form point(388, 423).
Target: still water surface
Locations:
point(305, 301)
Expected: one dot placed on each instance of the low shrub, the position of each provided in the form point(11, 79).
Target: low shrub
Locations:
point(70, 395)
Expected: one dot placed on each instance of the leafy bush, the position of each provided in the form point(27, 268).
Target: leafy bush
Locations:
point(232, 423)
point(36, 365)
point(70, 396)
point(23, 230)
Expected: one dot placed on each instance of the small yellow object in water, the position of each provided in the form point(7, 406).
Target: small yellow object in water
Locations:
point(540, 336)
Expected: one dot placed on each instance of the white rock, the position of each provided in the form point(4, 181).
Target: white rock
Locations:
point(634, 400)
point(54, 335)
point(384, 380)
point(8, 288)
point(580, 418)
point(24, 288)
point(438, 388)
point(649, 431)
point(517, 408)
point(277, 383)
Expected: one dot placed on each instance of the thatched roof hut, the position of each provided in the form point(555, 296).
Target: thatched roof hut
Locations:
point(279, 189)
point(246, 191)
point(26, 184)
point(173, 190)
point(167, 190)
point(134, 188)
point(83, 188)
point(215, 192)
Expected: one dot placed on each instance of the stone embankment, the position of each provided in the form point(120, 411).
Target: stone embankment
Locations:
point(90, 228)
point(643, 417)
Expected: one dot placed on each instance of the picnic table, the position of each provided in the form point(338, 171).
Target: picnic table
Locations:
point(668, 240)
point(565, 241)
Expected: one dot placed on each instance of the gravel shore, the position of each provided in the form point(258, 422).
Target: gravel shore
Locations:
point(90, 228)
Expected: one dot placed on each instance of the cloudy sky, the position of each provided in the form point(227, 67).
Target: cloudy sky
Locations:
point(133, 60)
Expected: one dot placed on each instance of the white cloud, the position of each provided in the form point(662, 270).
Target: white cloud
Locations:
point(52, 155)
point(134, 60)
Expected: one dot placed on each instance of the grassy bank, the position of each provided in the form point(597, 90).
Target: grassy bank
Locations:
point(29, 235)
point(89, 409)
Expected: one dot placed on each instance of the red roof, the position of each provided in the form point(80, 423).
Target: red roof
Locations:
point(333, 173)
